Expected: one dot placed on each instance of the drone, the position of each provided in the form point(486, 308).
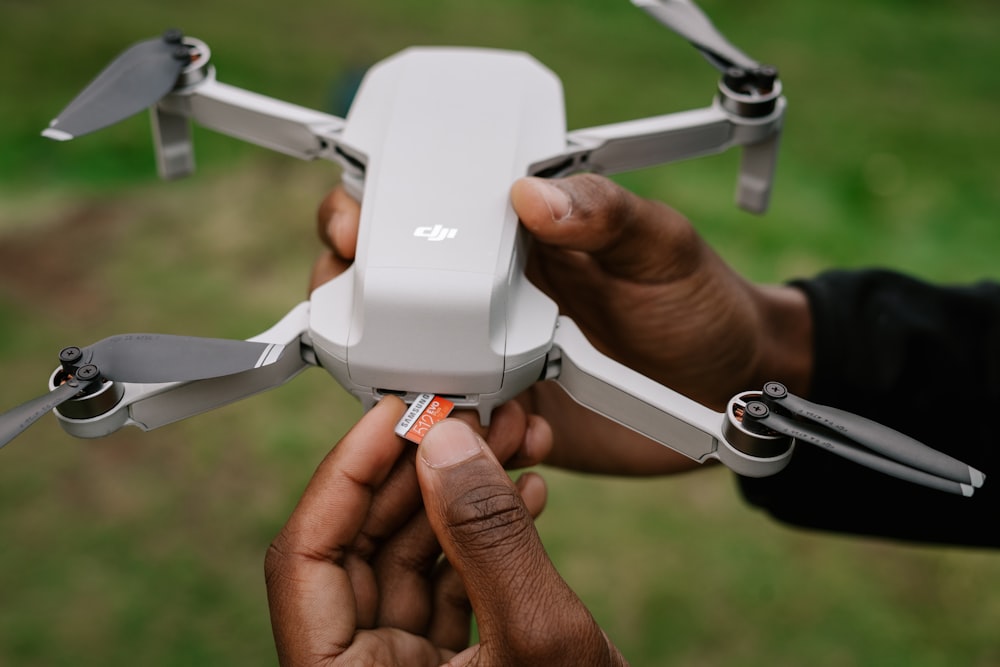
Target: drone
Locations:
point(436, 302)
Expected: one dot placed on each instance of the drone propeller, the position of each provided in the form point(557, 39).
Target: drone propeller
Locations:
point(140, 358)
point(688, 21)
point(874, 436)
point(14, 421)
point(152, 358)
point(135, 80)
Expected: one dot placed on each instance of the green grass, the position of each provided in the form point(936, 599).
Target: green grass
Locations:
point(147, 548)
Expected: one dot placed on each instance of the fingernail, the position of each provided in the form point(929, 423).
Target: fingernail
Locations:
point(449, 443)
point(559, 202)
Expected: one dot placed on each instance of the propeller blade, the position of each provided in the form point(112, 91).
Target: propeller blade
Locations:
point(687, 20)
point(135, 80)
point(15, 421)
point(141, 358)
point(875, 437)
point(155, 358)
point(811, 433)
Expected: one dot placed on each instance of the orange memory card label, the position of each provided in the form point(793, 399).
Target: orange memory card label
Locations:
point(425, 411)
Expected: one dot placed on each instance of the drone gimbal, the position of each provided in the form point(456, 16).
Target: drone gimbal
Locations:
point(437, 301)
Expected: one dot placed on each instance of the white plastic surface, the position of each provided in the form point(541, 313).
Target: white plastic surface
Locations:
point(658, 412)
point(436, 301)
point(149, 406)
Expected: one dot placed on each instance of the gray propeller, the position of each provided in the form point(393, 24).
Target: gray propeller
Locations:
point(135, 80)
point(162, 358)
point(140, 358)
point(874, 436)
point(688, 21)
point(839, 431)
point(13, 422)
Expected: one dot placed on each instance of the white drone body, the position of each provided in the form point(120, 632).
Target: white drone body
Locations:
point(436, 301)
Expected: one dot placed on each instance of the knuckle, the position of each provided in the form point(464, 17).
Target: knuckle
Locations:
point(277, 564)
point(491, 521)
point(286, 557)
point(598, 196)
point(606, 208)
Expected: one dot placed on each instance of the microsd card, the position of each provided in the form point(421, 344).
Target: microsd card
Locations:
point(425, 411)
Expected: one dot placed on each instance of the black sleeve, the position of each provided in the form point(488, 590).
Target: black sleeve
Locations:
point(922, 359)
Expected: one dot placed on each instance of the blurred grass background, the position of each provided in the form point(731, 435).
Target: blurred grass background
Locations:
point(147, 548)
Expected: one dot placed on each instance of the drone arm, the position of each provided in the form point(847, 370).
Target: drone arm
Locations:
point(610, 149)
point(647, 407)
point(149, 406)
point(280, 126)
point(172, 142)
point(753, 190)
point(635, 144)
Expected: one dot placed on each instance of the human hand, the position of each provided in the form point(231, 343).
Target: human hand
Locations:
point(354, 576)
point(648, 292)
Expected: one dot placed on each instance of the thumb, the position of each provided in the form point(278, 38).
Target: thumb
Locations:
point(627, 234)
point(525, 612)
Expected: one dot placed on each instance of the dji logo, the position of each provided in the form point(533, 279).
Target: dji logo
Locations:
point(435, 233)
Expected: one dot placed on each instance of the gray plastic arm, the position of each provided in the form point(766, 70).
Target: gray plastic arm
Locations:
point(148, 406)
point(610, 149)
point(636, 402)
point(280, 126)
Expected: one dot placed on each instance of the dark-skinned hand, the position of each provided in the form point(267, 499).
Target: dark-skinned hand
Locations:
point(356, 576)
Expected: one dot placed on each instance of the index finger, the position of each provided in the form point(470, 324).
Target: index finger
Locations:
point(335, 504)
point(310, 593)
point(337, 223)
